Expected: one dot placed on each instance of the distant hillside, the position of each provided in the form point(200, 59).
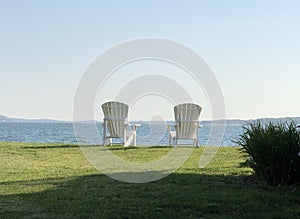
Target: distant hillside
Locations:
point(203, 122)
point(7, 119)
point(4, 119)
point(264, 120)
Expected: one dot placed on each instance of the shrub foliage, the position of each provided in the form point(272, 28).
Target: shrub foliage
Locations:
point(273, 151)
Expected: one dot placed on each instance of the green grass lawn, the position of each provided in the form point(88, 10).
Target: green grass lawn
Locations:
point(56, 181)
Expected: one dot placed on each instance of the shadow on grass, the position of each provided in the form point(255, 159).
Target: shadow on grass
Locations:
point(117, 148)
point(176, 196)
point(59, 146)
point(51, 146)
point(113, 148)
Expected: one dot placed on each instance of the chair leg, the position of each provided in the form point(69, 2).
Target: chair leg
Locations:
point(105, 141)
point(134, 135)
point(196, 143)
point(104, 132)
point(124, 138)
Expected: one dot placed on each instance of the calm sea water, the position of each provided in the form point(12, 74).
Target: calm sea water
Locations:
point(147, 134)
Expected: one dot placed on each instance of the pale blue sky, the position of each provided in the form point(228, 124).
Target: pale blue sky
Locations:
point(253, 47)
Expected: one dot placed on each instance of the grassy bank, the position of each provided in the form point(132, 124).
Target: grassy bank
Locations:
point(56, 181)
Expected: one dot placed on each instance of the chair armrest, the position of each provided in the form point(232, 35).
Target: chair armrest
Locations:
point(135, 126)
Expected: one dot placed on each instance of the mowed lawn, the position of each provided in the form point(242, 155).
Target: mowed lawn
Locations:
point(56, 181)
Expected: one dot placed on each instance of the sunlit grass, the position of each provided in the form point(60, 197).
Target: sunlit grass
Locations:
point(56, 181)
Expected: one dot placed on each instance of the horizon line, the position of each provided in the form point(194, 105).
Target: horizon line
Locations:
point(204, 120)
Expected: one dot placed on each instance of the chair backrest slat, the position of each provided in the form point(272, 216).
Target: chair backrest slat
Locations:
point(187, 120)
point(116, 114)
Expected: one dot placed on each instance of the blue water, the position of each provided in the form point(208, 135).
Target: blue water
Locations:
point(147, 134)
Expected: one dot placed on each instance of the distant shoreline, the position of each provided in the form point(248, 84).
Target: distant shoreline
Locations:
point(220, 121)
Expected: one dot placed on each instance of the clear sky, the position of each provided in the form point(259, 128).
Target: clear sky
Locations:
point(253, 47)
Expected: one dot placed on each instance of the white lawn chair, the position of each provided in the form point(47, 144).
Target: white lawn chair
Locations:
point(186, 123)
point(116, 122)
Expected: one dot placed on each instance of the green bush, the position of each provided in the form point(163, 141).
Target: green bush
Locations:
point(273, 151)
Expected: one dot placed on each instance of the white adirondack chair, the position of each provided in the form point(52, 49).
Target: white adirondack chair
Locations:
point(116, 122)
point(186, 123)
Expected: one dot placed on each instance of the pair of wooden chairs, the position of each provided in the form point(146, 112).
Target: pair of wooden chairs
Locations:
point(115, 123)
